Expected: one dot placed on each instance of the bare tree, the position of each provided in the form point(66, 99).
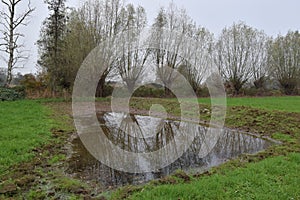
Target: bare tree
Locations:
point(199, 52)
point(239, 55)
point(103, 20)
point(10, 23)
point(107, 19)
point(131, 64)
point(111, 27)
point(169, 29)
point(284, 61)
point(259, 59)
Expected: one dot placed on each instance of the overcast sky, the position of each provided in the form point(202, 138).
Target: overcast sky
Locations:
point(273, 16)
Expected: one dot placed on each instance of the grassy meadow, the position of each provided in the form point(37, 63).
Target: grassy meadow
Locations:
point(33, 135)
point(24, 125)
point(272, 178)
point(285, 103)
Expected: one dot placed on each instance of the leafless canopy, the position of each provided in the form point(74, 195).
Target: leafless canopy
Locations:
point(10, 36)
point(240, 55)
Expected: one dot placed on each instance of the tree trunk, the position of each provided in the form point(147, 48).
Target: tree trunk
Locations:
point(168, 93)
point(9, 76)
point(130, 86)
point(259, 83)
point(289, 86)
point(11, 46)
point(100, 87)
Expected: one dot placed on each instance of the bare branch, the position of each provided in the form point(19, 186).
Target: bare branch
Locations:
point(5, 14)
point(21, 19)
point(10, 23)
point(18, 1)
point(4, 2)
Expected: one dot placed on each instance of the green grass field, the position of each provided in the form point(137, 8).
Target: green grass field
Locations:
point(286, 103)
point(272, 178)
point(272, 174)
point(24, 125)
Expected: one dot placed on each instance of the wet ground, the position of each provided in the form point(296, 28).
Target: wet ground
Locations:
point(140, 134)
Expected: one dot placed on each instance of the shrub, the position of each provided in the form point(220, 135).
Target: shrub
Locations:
point(252, 91)
point(108, 90)
point(148, 91)
point(275, 93)
point(12, 94)
point(202, 92)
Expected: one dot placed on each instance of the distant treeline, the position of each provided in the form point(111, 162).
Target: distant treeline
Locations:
point(248, 60)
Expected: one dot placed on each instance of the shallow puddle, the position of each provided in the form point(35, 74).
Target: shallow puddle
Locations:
point(148, 134)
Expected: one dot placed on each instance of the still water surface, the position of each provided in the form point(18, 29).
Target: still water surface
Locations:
point(147, 134)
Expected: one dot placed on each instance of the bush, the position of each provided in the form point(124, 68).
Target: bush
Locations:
point(108, 90)
point(275, 93)
point(253, 91)
point(147, 91)
point(202, 92)
point(12, 94)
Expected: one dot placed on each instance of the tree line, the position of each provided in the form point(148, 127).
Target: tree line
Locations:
point(243, 55)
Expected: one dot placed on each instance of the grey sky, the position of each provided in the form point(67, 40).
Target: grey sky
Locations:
point(272, 16)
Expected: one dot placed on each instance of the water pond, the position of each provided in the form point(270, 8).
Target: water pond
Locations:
point(160, 132)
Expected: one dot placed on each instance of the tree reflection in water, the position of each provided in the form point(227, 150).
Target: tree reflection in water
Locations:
point(137, 133)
